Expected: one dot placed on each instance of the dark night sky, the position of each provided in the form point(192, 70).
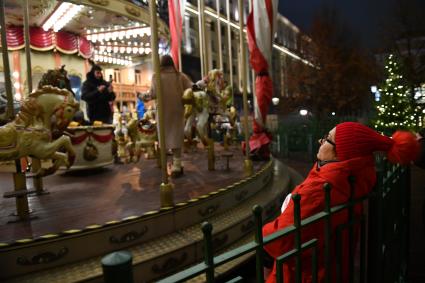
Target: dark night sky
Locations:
point(364, 17)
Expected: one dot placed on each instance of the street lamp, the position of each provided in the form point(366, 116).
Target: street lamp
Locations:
point(303, 112)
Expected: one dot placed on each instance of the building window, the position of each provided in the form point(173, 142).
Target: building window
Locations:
point(214, 64)
point(212, 28)
point(117, 76)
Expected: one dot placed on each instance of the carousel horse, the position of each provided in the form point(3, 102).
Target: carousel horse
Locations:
point(143, 135)
point(202, 105)
point(30, 133)
point(57, 78)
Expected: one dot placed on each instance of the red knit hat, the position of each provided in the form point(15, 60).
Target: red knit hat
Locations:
point(355, 140)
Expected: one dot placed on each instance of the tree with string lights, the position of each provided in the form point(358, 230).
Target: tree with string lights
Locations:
point(396, 108)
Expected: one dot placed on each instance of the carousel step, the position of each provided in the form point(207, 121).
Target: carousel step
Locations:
point(178, 250)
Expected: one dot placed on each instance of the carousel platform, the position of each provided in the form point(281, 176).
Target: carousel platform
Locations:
point(90, 213)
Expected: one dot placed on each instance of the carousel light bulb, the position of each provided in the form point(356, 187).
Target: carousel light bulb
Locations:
point(116, 49)
point(122, 49)
point(109, 49)
point(15, 75)
point(114, 60)
point(128, 50)
point(57, 14)
point(67, 16)
point(141, 50)
point(135, 49)
point(18, 96)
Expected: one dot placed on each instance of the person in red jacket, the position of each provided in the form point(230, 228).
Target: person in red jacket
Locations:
point(347, 150)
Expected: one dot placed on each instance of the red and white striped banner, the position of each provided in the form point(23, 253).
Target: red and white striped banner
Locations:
point(176, 14)
point(261, 26)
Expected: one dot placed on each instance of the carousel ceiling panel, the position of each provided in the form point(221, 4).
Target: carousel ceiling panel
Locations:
point(40, 10)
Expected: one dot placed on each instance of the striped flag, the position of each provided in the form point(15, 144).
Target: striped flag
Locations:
point(261, 28)
point(176, 14)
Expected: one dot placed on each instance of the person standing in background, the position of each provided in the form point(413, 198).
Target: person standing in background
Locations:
point(174, 84)
point(98, 93)
point(140, 106)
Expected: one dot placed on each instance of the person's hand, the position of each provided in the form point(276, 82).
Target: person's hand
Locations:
point(101, 88)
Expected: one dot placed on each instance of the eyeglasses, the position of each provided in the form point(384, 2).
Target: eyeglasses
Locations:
point(326, 139)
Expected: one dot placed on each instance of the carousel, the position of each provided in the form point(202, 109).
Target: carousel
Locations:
point(75, 190)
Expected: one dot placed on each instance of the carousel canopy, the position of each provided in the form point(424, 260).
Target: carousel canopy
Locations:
point(42, 40)
point(77, 29)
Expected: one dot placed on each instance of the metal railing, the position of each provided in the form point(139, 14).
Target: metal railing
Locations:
point(384, 225)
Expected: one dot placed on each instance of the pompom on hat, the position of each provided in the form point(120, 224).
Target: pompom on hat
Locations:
point(355, 140)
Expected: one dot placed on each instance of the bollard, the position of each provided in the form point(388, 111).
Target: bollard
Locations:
point(117, 267)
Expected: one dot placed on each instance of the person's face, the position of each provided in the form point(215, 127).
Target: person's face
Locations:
point(98, 74)
point(327, 150)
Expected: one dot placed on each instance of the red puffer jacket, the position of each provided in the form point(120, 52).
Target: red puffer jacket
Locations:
point(313, 201)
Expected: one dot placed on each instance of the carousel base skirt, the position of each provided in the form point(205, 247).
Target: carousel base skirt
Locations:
point(91, 213)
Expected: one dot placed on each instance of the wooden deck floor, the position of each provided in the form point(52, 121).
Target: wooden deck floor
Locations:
point(79, 199)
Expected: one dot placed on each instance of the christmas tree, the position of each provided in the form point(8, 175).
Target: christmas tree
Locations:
point(396, 108)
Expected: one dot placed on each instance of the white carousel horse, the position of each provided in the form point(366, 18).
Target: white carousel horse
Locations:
point(30, 133)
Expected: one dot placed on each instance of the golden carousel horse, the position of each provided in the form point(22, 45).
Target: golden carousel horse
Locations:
point(143, 135)
point(30, 133)
point(201, 105)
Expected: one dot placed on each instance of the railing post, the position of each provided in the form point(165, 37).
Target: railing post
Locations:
point(328, 232)
point(375, 226)
point(351, 244)
point(297, 223)
point(117, 267)
point(257, 211)
point(208, 251)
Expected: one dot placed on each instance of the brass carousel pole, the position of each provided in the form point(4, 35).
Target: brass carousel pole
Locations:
point(248, 162)
point(19, 180)
point(35, 163)
point(166, 189)
point(201, 41)
point(6, 67)
point(27, 44)
point(229, 40)
point(220, 52)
